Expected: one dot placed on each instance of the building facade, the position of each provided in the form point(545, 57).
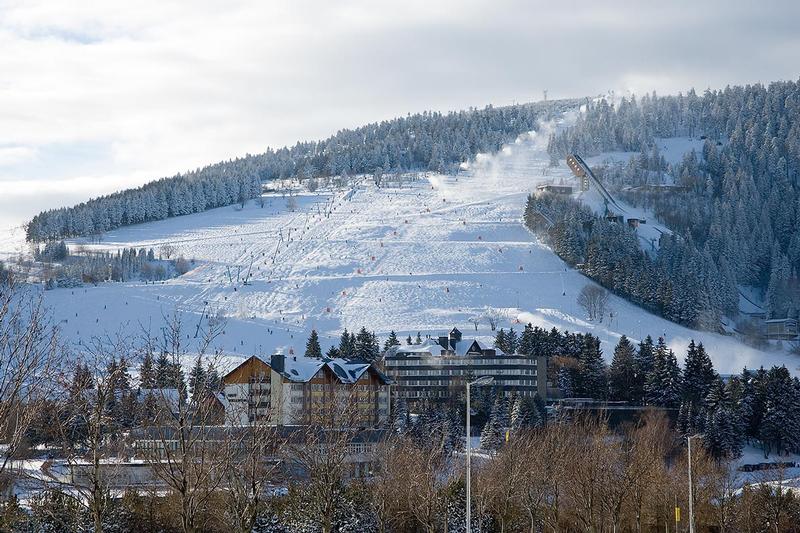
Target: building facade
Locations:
point(437, 370)
point(290, 390)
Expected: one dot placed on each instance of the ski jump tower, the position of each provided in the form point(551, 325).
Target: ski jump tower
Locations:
point(582, 171)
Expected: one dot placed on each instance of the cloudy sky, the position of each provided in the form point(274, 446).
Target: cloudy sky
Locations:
point(96, 96)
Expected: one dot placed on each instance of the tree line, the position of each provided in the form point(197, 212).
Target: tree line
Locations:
point(423, 141)
point(676, 281)
point(62, 268)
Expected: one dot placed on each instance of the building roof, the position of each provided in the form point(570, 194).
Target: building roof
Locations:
point(433, 348)
point(304, 368)
point(300, 369)
point(462, 348)
point(429, 346)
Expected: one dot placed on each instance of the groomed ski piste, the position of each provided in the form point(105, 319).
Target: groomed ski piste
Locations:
point(422, 256)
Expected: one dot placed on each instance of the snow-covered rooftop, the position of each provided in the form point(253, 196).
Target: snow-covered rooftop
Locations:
point(433, 348)
point(302, 369)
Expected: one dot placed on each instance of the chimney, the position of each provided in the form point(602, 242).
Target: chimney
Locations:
point(277, 362)
point(443, 342)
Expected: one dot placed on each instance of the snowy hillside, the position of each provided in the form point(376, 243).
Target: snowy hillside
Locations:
point(425, 257)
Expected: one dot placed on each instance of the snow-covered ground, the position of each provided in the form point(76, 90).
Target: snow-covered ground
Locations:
point(424, 257)
point(672, 149)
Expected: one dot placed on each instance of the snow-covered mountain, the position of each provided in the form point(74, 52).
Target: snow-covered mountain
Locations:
point(423, 256)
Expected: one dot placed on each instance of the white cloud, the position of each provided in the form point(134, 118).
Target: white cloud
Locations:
point(171, 85)
point(12, 155)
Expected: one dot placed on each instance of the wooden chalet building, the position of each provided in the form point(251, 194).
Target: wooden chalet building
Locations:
point(291, 390)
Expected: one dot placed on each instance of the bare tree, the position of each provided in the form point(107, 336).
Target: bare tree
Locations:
point(29, 354)
point(255, 464)
point(186, 452)
point(388, 487)
point(167, 250)
point(322, 452)
point(377, 177)
point(593, 299)
point(90, 425)
point(427, 477)
point(492, 316)
point(503, 481)
point(475, 321)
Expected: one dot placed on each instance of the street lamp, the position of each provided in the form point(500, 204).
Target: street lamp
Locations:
point(483, 380)
point(691, 495)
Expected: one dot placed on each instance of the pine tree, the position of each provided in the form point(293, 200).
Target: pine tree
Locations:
point(391, 341)
point(698, 374)
point(493, 432)
point(717, 395)
point(366, 346)
point(333, 353)
point(780, 427)
point(400, 418)
point(565, 382)
point(682, 423)
point(418, 340)
point(624, 380)
point(527, 341)
point(517, 415)
point(645, 362)
point(671, 381)
point(592, 375)
point(147, 378)
point(346, 345)
point(500, 340)
point(511, 342)
point(722, 437)
point(198, 380)
point(313, 348)
point(123, 376)
point(523, 414)
point(663, 384)
point(163, 375)
point(213, 379)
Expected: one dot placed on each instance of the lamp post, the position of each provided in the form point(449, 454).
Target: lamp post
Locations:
point(483, 380)
point(691, 492)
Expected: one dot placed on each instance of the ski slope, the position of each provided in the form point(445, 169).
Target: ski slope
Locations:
point(424, 257)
